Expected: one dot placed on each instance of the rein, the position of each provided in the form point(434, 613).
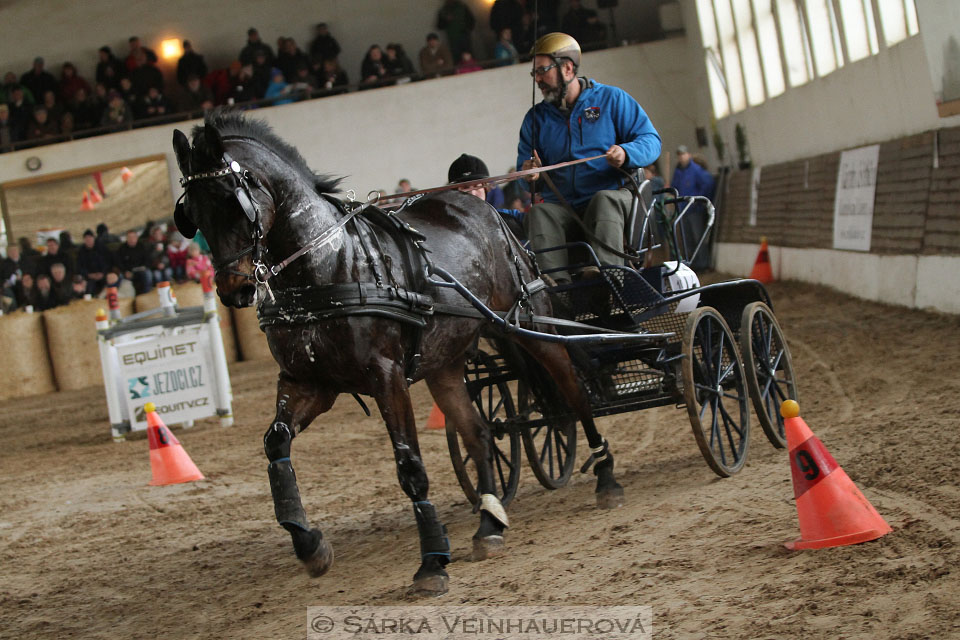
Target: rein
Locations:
point(504, 178)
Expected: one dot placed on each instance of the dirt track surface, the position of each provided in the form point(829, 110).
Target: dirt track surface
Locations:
point(88, 550)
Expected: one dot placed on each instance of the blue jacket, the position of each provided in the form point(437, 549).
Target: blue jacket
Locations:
point(693, 180)
point(602, 116)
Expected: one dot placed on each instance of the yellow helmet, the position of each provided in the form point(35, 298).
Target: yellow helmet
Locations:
point(557, 45)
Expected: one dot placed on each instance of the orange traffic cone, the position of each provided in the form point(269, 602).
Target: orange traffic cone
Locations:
point(831, 509)
point(126, 174)
point(95, 197)
point(761, 268)
point(168, 461)
point(85, 204)
point(436, 419)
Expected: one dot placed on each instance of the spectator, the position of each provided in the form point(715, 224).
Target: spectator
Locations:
point(506, 14)
point(505, 53)
point(467, 168)
point(24, 291)
point(191, 63)
point(12, 266)
point(242, 89)
point(323, 47)
point(197, 263)
point(54, 109)
point(177, 255)
point(290, 58)
point(86, 112)
point(584, 26)
point(303, 81)
point(278, 88)
point(53, 256)
point(523, 40)
point(435, 57)
point(40, 126)
point(467, 64)
point(45, 296)
point(59, 282)
point(196, 96)
point(21, 110)
point(38, 81)
point(692, 179)
point(397, 63)
point(109, 69)
point(249, 53)
point(404, 186)
point(70, 83)
point(456, 20)
point(66, 124)
point(105, 238)
point(145, 76)
point(78, 288)
point(30, 256)
point(117, 111)
point(153, 104)
point(133, 261)
point(134, 60)
point(92, 264)
point(260, 75)
point(9, 132)
point(66, 242)
point(127, 93)
point(332, 76)
point(372, 69)
point(159, 262)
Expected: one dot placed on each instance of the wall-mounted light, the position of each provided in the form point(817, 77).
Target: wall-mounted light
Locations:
point(170, 49)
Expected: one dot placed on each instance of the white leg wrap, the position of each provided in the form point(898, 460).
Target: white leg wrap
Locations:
point(492, 505)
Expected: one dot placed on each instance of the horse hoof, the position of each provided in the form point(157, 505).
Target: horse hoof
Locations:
point(487, 547)
point(320, 561)
point(433, 586)
point(610, 498)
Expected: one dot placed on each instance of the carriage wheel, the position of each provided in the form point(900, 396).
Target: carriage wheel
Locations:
point(495, 403)
point(551, 448)
point(768, 368)
point(715, 391)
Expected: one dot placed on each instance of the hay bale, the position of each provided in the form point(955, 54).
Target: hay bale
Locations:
point(252, 341)
point(191, 295)
point(72, 342)
point(24, 360)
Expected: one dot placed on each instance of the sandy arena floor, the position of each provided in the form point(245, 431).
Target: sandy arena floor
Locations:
point(88, 550)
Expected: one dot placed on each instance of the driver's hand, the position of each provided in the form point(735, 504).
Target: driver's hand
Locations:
point(530, 164)
point(616, 156)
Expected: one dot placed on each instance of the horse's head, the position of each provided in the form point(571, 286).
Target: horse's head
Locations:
point(225, 200)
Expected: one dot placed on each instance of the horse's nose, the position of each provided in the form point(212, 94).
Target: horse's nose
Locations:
point(239, 298)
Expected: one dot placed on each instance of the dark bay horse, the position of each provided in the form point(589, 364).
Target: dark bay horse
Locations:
point(266, 216)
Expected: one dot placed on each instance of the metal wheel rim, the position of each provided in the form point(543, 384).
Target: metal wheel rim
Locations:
point(769, 369)
point(714, 388)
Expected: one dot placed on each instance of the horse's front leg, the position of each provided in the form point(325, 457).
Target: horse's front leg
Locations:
point(297, 405)
point(393, 400)
point(450, 393)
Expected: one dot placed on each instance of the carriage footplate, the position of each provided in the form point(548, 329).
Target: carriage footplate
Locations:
point(286, 495)
point(433, 534)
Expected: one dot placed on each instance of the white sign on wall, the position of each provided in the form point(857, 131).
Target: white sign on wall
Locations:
point(174, 372)
point(856, 188)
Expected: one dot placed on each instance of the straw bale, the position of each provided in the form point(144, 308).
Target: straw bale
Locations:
point(190, 294)
point(72, 342)
point(24, 360)
point(252, 341)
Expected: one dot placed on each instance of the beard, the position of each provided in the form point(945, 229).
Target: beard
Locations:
point(553, 95)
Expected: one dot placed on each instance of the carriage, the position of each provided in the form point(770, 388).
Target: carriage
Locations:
point(704, 348)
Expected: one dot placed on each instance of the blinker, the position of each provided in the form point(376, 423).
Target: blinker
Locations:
point(245, 203)
point(185, 226)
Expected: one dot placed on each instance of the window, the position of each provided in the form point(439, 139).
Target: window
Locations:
point(794, 42)
point(747, 37)
point(898, 18)
point(770, 48)
point(859, 29)
point(730, 52)
point(708, 33)
point(823, 36)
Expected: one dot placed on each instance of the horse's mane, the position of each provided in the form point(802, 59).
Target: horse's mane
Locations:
point(229, 122)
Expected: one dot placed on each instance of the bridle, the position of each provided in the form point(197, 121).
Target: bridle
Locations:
point(243, 192)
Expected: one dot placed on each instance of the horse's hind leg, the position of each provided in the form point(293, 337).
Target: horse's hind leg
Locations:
point(556, 360)
point(393, 400)
point(451, 395)
point(297, 405)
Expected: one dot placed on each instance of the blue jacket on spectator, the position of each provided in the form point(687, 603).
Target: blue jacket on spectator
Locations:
point(693, 180)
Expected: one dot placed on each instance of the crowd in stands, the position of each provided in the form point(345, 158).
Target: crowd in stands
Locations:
point(35, 280)
point(38, 108)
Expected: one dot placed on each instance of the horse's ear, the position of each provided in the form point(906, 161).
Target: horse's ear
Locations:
point(181, 148)
point(214, 141)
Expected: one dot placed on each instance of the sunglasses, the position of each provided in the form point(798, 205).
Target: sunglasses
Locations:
point(539, 71)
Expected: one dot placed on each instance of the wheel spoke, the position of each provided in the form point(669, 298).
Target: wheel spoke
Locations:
point(715, 429)
point(726, 426)
point(558, 447)
point(728, 417)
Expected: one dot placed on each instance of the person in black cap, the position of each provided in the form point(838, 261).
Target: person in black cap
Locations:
point(248, 54)
point(467, 168)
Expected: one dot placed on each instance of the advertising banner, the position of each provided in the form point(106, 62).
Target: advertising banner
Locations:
point(856, 188)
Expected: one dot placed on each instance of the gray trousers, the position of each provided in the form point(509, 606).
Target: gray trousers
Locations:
point(549, 225)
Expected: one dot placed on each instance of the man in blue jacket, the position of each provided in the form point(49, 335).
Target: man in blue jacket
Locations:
point(580, 118)
point(691, 179)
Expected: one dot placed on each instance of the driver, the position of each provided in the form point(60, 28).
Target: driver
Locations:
point(580, 118)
